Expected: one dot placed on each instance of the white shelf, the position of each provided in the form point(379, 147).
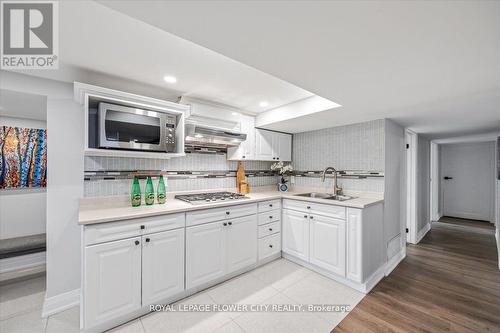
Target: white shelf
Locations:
point(131, 154)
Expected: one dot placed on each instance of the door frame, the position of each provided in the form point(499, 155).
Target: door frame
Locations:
point(411, 140)
point(435, 210)
point(437, 192)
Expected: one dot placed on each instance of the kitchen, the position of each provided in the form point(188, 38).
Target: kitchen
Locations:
point(168, 175)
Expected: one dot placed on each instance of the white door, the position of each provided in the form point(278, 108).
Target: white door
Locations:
point(296, 234)
point(284, 147)
point(264, 145)
point(112, 280)
point(327, 243)
point(241, 245)
point(205, 253)
point(162, 265)
point(467, 178)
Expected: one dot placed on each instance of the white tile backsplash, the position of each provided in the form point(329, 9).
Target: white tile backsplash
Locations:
point(191, 162)
point(351, 147)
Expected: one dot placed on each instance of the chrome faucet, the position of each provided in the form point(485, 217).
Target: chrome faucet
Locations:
point(336, 190)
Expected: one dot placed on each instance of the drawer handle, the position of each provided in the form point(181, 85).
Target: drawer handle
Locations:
point(224, 224)
point(311, 217)
point(308, 207)
point(136, 242)
point(305, 216)
point(143, 227)
point(270, 216)
point(227, 213)
point(270, 245)
point(148, 240)
point(270, 229)
point(230, 223)
point(270, 205)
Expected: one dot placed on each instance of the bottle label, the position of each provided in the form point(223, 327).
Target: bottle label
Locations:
point(161, 198)
point(150, 198)
point(136, 199)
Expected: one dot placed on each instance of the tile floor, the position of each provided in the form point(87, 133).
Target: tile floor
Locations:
point(279, 282)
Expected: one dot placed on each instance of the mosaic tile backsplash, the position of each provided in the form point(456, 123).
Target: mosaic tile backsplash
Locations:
point(191, 162)
point(351, 147)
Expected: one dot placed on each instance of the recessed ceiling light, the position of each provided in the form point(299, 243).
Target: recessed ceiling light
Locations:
point(263, 104)
point(235, 113)
point(170, 79)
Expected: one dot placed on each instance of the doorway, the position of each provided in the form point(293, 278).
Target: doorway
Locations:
point(467, 180)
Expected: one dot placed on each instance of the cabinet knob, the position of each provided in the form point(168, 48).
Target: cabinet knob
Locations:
point(310, 217)
point(270, 229)
point(277, 158)
point(270, 216)
point(274, 158)
point(305, 216)
point(227, 213)
point(143, 227)
point(224, 224)
point(270, 205)
point(148, 240)
point(230, 223)
point(308, 207)
point(243, 156)
point(136, 242)
point(270, 245)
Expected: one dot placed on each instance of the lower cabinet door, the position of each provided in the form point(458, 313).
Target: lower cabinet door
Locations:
point(162, 265)
point(327, 244)
point(295, 232)
point(112, 280)
point(205, 253)
point(241, 240)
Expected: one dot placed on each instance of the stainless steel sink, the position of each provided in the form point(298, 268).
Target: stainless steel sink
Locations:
point(326, 196)
point(315, 195)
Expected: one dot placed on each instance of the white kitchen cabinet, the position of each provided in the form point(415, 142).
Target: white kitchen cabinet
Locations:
point(327, 243)
point(241, 243)
point(264, 150)
point(295, 232)
point(219, 248)
point(162, 265)
point(112, 280)
point(283, 147)
point(246, 150)
point(354, 244)
point(273, 146)
point(205, 253)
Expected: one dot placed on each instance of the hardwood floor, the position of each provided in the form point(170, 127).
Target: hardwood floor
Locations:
point(467, 223)
point(449, 282)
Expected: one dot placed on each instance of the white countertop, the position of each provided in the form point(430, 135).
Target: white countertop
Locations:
point(109, 209)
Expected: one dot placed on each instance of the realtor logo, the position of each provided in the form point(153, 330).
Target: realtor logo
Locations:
point(29, 33)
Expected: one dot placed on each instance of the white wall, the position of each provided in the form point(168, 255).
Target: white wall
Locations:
point(30, 219)
point(395, 188)
point(423, 183)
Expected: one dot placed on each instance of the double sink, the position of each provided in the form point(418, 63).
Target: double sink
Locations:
point(326, 196)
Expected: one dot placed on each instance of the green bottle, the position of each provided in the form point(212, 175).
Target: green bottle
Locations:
point(161, 193)
point(149, 194)
point(135, 196)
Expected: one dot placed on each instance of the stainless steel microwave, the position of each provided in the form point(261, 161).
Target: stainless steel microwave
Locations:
point(123, 127)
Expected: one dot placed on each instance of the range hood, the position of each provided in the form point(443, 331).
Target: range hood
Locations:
point(205, 136)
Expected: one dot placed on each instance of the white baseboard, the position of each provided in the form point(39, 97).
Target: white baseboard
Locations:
point(497, 236)
point(394, 261)
point(421, 234)
point(15, 267)
point(58, 303)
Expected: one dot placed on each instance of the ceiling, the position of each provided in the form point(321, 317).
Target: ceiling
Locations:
point(22, 105)
point(431, 66)
point(94, 38)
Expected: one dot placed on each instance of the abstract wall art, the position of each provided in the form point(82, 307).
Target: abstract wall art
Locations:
point(23, 162)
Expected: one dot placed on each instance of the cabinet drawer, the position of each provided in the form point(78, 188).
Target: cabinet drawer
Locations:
point(218, 214)
point(269, 245)
point(265, 206)
point(105, 232)
point(337, 212)
point(269, 229)
point(271, 216)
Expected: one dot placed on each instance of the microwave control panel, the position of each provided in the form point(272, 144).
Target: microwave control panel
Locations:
point(170, 123)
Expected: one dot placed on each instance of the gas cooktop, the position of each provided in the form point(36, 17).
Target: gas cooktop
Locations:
point(211, 197)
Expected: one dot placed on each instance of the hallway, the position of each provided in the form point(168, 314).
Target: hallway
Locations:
point(449, 282)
